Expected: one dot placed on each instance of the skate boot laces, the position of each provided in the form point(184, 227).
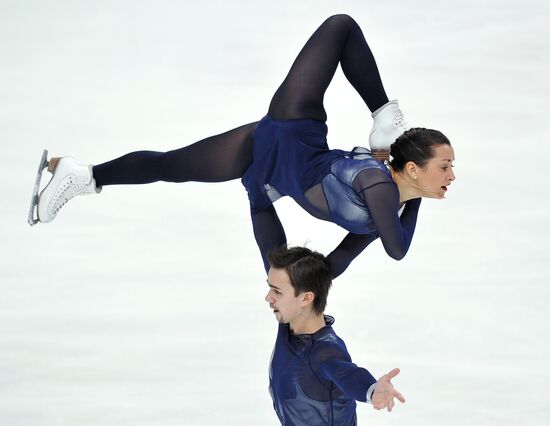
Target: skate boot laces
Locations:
point(398, 118)
point(71, 187)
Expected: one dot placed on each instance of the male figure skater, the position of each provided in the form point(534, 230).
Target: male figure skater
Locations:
point(311, 378)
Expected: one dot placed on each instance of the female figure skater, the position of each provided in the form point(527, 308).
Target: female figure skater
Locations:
point(286, 153)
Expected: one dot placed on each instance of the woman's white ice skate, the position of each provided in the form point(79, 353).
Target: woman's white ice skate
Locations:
point(69, 179)
point(388, 125)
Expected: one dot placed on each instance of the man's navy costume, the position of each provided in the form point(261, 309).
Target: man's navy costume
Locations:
point(312, 380)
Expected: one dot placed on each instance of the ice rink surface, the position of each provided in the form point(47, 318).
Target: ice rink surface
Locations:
point(144, 305)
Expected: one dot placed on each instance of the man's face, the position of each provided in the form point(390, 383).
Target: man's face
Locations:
point(281, 298)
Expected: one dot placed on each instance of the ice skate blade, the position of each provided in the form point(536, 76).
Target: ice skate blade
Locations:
point(33, 209)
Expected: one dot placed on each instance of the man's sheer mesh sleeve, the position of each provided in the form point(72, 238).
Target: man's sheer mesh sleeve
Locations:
point(330, 364)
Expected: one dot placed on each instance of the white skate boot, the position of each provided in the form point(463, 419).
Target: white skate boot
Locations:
point(69, 179)
point(388, 125)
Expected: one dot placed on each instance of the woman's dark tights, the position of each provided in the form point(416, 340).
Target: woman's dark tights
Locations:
point(226, 156)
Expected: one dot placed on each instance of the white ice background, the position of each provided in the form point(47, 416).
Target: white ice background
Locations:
point(144, 305)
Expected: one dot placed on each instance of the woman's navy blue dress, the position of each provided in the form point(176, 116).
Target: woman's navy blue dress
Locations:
point(291, 156)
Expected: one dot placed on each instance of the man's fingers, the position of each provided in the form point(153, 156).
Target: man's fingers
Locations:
point(393, 373)
point(399, 396)
point(390, 404)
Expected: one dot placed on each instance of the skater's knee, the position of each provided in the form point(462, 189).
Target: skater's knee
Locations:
point(341, 22)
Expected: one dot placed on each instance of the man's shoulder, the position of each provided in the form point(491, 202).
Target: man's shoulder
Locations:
point(328, 346)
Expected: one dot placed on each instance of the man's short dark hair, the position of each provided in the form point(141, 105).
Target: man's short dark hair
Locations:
point(307, 270)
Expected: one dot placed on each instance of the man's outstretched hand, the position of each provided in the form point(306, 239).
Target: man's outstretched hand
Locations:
point(384, 393)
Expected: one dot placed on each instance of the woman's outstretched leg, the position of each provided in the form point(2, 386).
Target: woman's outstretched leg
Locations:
point(215, 159)
point(339, 40)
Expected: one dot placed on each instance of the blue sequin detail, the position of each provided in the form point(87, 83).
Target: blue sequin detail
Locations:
point(347, 209)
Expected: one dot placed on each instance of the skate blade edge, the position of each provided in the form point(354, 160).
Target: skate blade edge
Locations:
point(33, 209)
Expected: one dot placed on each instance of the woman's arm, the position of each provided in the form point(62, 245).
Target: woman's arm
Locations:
point(346, 251)
point(268, 231)
point(395, 232)
point(382, 200)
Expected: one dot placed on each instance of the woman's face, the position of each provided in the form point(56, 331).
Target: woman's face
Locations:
point(434, 178)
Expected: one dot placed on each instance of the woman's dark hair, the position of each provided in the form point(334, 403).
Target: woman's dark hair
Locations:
point(415, 145)
point(307, 270)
